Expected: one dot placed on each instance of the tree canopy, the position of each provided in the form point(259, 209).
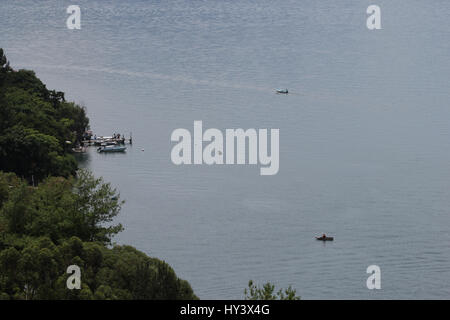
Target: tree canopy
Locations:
point(64, 222)
point(267, 292)
point(35, 126)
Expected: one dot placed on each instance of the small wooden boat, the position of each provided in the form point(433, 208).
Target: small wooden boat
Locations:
point(283, 91)
point(325, 238)
point(113, 148)
point(79, 150)
point(108, 143)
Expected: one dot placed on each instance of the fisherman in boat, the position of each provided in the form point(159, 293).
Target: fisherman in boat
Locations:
point(325, 238)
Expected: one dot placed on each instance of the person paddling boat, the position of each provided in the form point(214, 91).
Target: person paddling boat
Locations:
point(325, 238)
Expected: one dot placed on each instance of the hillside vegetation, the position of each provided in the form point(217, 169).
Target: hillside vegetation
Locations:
point(53, 216)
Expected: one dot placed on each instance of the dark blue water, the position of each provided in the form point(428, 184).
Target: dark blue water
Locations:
point(364, 134)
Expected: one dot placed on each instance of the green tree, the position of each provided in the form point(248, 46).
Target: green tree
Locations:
point(35, 126)
point(32, 154)
point(267, 292)
point(98, 204)
point(61, 208)
point(4, 63)
point(61, 222)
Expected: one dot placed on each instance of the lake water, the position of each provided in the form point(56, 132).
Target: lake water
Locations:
point(364, 134)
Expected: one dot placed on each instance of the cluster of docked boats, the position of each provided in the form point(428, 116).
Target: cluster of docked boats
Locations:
point(115, 143)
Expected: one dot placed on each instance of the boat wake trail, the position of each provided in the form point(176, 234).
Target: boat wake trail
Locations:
point(149, 75)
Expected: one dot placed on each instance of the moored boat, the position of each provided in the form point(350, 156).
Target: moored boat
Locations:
point(325, 238)
point(79, 150)
point(112, 148)
point(108, 143)
point(98, 141)
point(283, 91)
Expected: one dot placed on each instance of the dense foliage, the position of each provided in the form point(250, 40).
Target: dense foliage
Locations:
point(267, 292)
point(66, 218)
point(37, 126)
point(64, 222)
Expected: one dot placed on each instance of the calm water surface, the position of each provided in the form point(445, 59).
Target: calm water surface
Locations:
point(364, 134)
